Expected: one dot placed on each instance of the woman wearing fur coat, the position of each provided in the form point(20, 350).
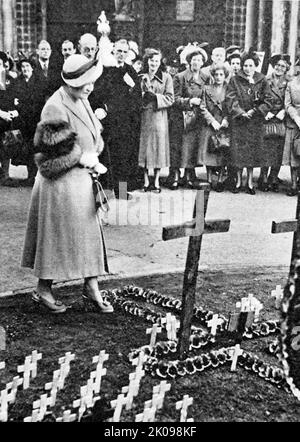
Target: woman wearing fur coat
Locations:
point(64, 238)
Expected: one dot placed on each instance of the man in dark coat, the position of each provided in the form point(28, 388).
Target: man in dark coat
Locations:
point(118, 91)
point(30, 93)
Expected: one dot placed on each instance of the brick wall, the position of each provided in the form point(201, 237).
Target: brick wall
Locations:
point(235, 22)
point(28, 25)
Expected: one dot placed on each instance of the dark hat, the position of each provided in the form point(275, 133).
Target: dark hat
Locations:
point(3, 57)
point(25, 60)
point(276, 57)
point(233, 49)
point(250, 55)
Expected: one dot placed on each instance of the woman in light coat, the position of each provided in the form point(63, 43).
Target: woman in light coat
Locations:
point(292, 108)
point(215, 121)
point(188, 88)
point(64, 238)
point(158, 96)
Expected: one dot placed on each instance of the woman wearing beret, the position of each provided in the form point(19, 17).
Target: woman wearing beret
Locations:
point(275, 123)
point(64, 238)
point(248, 101)
point(188, 88)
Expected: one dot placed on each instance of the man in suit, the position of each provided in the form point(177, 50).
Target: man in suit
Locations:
point(67, 49)
point(118, 91)
point(47, 68)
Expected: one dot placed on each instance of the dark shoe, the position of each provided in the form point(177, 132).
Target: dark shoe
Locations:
point(174, 185)
point(264, 187)
point(156, 189)
point(274, 187)
point(292, 192)
point(103, 307)
point(250, 190)
point(53, 307)
point(220, 187)
point(10, 182)
point(146, 188)
point(29, 182)
point(236, 189)
point(189, 184)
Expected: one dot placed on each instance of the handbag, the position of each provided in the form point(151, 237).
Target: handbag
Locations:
point(12, 144)
point(219, 142)
point(101, 200)
point(189, 120)
point(274, 129)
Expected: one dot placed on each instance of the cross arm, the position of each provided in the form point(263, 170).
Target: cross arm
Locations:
point(284, 226)
point(189, 229)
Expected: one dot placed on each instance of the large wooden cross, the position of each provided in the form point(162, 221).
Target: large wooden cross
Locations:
point(194, 229)
point(292, 225)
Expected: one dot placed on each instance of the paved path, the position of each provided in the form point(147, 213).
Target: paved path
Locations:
point(133, 232)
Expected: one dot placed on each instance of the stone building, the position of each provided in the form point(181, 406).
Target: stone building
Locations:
point(268, 25)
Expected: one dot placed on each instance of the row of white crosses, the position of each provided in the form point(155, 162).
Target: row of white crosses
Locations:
point(89, 392)
point(8, 395)
point(171, 324)
point(40, 406)
point(154, 404)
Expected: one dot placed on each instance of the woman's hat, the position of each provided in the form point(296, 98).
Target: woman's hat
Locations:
point(276, 57)
point(78, 70)
point(190, 50)
point(25, 60)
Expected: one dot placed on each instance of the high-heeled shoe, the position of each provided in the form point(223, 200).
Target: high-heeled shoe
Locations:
point(156, 189)
point(174, 185)
point(236, 189)
point(53, 307)
point(102, 306)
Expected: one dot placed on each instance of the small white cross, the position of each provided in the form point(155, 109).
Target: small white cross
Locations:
point(35, 357)
point(140, 359)
point(278, 295)
point(33, 418)
point(213, 324)
point(101, 358)
point(13, 387)
point(69, 357)
point(237, 351)
point(153, 331)
point(54, 385)
point(5, 398)
point(67, 417)
point(2, 365)
point(183, 405)
point(171, 326)
point(132, 391)
point(42, 404)
point(118, 404)
point(2, 339)
point(96, 377)
point(148, 415)
point(26, 370)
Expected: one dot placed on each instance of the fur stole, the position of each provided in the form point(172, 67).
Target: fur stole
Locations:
point(57, 151)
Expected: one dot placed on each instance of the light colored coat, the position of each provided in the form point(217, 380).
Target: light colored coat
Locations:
point(154, 149)
point(64, 238)
point(292, 108)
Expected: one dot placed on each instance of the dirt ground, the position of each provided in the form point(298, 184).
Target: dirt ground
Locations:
point(218, 394)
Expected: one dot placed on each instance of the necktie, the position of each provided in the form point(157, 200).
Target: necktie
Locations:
point(45, 69)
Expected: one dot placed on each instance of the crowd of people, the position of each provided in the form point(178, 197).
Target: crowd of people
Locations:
point(211, 109)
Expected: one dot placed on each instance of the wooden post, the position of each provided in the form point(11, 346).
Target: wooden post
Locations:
point(293, 31)
point(8, 26)
point(194, 229)
point(291, 226)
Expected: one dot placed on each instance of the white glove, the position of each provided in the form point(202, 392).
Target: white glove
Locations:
point(100, 113)
point(216, 125)
point(269, 116)
point(281, 115)
point(100, 168)
point(89, 159)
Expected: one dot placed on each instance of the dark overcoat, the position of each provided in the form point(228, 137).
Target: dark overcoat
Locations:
point(274, 146)
point(122, 103)
point(185, 145)
point(213, 109)
point(247, 136)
